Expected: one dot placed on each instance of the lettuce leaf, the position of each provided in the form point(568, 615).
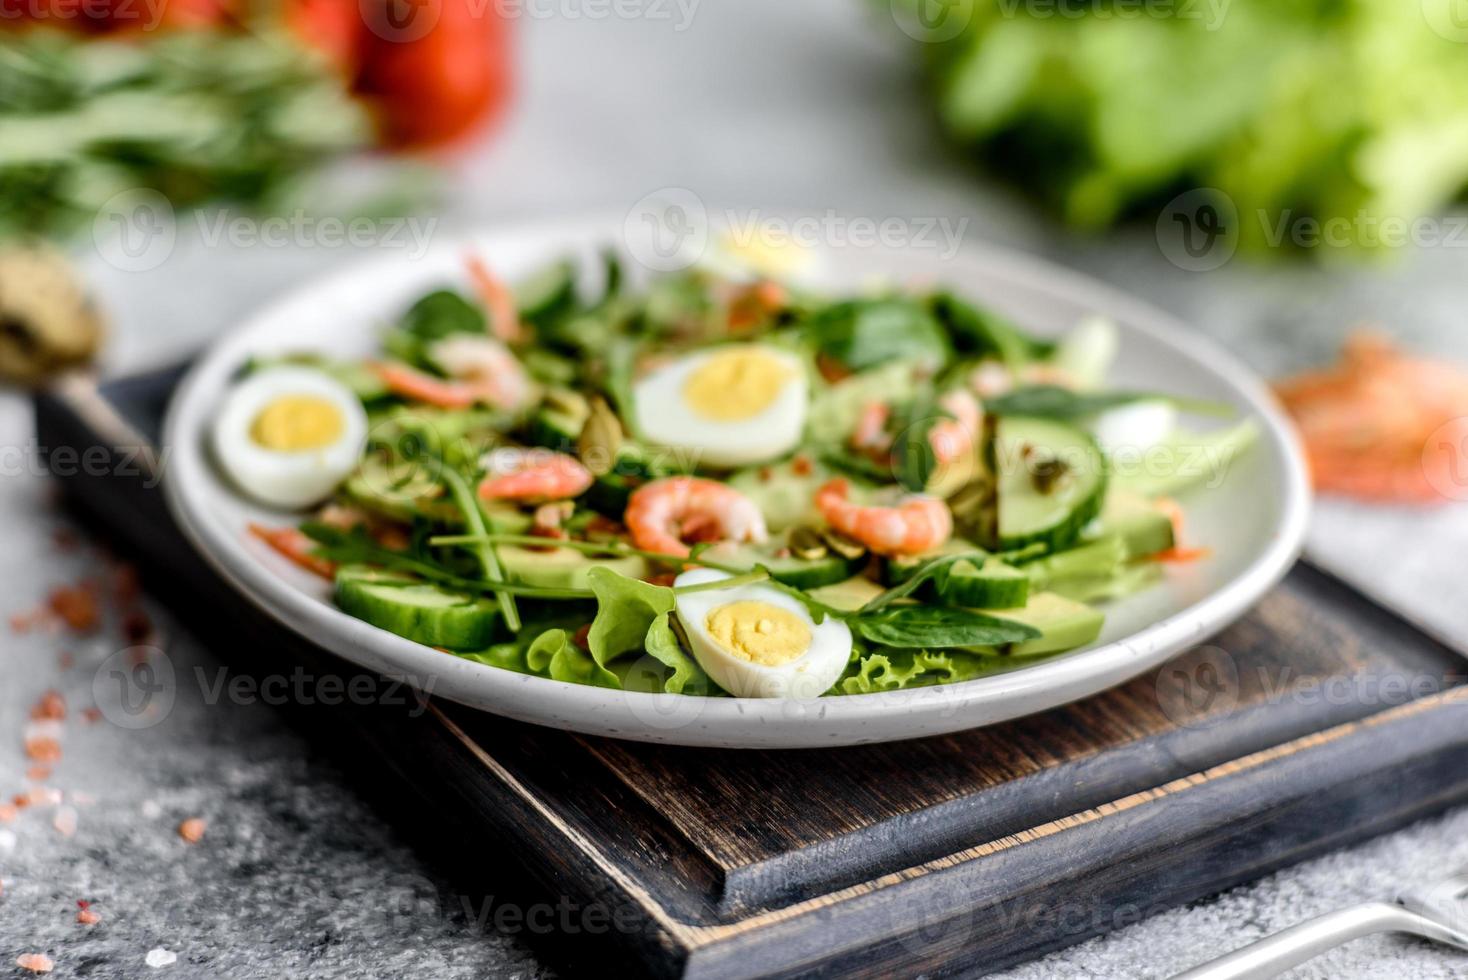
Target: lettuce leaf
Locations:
point(662, 644)
point(895, 670)
point(625, 610)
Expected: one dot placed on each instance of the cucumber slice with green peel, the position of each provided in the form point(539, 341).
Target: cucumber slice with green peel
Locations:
point(1099, 559)
point(399, 492)
point(784, 492)
point(992, 583)
point(802, 573)
point(557, 428)
point(1051, 480)
point(562, 568)
point(417, 610)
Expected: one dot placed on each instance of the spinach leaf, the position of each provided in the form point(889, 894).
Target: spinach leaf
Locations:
point(1055, 402)
point(913, 458)
point(981, 333)
point(440, 314)
point(866, 333)
point(938, 627)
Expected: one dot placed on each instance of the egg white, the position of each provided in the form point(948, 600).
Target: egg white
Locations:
point(665, 418)
point(278, 478)
point(807, 676)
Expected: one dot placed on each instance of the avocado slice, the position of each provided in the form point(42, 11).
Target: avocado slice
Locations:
point(784, 492)
point(847, 596)
point(1064, 624)
point(562, 568)
point(1139, 522)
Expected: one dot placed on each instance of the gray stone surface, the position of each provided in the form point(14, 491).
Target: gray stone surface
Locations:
point(809, 105)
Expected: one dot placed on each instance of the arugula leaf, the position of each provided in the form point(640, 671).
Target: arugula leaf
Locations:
point(865, 333)
point(937, 569)
point(937, 627)
point(981, 333)
point(1063, 404)
point(626, 610)
point(441, 313)
point(489, 560)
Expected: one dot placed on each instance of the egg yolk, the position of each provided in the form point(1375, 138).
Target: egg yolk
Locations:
point(295, 423)
point(759, 632)
point(735, 383)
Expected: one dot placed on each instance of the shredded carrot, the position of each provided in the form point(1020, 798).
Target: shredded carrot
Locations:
point(1179, 556)
point(293, 544)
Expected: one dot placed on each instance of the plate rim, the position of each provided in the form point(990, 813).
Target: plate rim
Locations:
point(759, 723)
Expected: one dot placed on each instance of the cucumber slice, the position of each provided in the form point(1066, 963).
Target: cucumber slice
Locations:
point(993, 584)
point(1051, 482)
point(1100, 559)
point(403, 605)
point(802, 573)
point(562, 568)
point(784, 492)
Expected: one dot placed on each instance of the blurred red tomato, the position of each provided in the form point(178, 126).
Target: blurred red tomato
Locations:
point(435, 69)
point(333, 27)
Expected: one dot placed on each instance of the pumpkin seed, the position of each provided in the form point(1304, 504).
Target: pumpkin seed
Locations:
point(601, 438)
point(847, 547)
point(806, 543)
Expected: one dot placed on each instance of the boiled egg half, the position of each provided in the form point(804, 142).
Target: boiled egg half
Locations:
point(757, 642)
point(288, 436)
point(724, 407)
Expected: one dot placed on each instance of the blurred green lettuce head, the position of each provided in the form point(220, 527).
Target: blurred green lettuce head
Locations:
point(1352, 114)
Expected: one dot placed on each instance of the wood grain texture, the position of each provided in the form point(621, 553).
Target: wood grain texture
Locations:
point(1318, 719)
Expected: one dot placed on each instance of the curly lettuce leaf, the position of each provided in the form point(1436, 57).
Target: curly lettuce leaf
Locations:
point(896, 670)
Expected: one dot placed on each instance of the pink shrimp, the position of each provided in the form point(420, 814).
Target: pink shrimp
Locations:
point(952, 437)
point(917, 523)
point(666, 514)
point(532, 475)
point(481, 371)
point(871, 434)
point(499, 302)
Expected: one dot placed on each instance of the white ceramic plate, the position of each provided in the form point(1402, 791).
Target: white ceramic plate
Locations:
point(1254, 522)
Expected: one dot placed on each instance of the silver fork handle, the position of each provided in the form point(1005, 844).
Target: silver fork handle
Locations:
point(1274, 955)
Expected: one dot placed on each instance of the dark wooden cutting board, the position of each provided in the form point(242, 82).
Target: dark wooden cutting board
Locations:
point(1317, 720)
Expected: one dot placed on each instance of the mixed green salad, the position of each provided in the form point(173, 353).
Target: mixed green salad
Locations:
point(722, 483)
